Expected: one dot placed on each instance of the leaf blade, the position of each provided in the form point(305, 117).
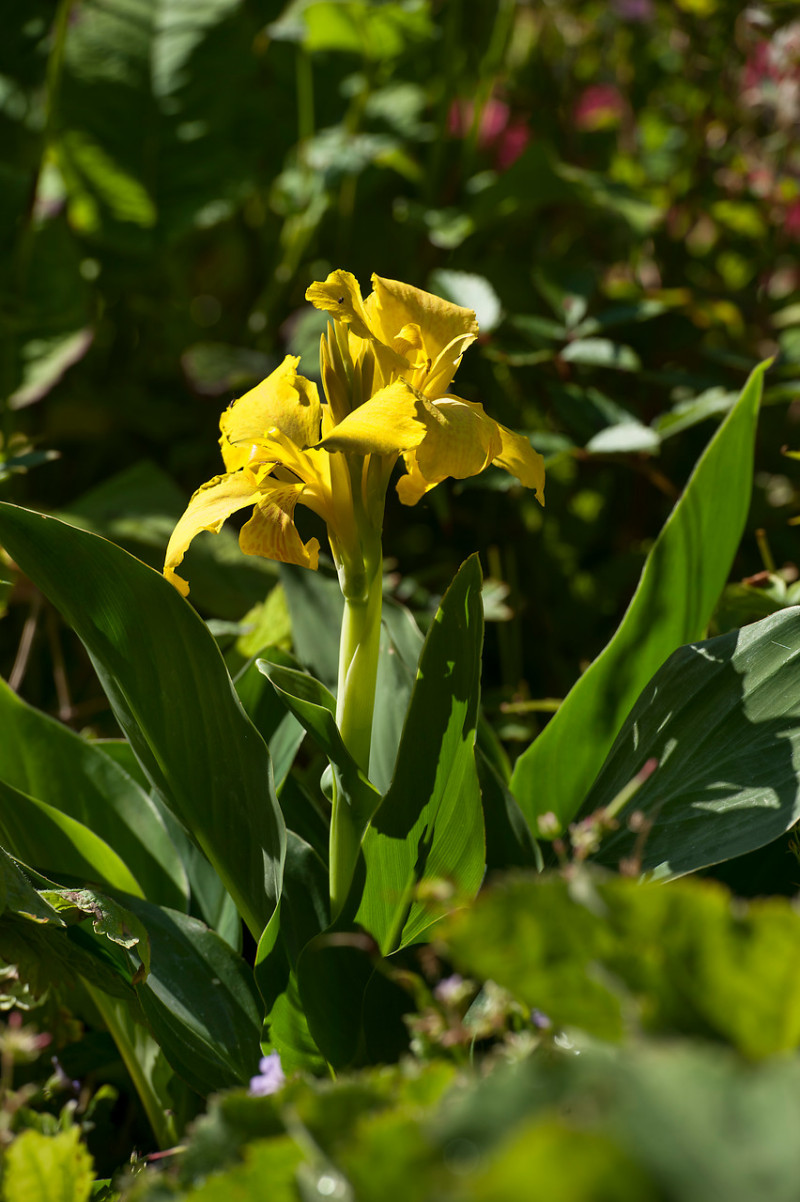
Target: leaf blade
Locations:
point(173, 698)
point(681, 582)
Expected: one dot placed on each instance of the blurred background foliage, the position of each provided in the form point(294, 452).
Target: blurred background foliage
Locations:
point(613, 186)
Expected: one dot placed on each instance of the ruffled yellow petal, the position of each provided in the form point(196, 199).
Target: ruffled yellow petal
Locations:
point(340, 295)
point(460, 442)
point(271, 531)
point(207, 510)
point(284, 401)
point(394, 419)
point(518, 457)
point(421, 326)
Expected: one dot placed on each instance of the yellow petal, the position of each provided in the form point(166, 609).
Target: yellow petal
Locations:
point(394, 419)
point(207, 510)
point(413, 486)
point(284, 401)
point(340, 295)
point(404, 317)
point(461, 443)
point(271, 531)
point(519, 458)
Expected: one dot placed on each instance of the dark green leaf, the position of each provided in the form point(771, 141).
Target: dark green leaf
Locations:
point(722, 718)
point(39, 834)
point(315, 708)
point(167, 684)
point(43, 758)
point(199, 999)
point(429, 824)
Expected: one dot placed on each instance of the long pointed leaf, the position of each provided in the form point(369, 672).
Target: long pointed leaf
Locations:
point(430, 822)
point(314, 707)
point(680, 584)
point(46, 760)
point(172, 696)
point(55, 843)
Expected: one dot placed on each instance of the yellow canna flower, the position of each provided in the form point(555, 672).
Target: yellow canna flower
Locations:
point(402, 333)
point(387, 365)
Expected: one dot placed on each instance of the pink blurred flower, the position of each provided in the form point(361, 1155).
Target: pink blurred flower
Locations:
point(499, 133)
point(771, 76)
point(635, 10)
point(791, 220)
point(600, 106)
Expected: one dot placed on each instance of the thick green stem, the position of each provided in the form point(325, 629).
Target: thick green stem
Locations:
point(361, 583)
point(358, 666)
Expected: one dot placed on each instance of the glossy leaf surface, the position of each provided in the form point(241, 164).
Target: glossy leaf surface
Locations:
point(43, 758)
point(680, 584)
point(168, 687)
point(722, 718)
point(430, 823)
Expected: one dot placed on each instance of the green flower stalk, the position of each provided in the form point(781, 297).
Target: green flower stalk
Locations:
point(387, 364)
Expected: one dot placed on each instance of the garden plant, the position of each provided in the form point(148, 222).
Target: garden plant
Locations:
point(370, 828)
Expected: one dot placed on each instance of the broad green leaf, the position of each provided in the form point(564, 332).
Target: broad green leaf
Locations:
point(46, 760)
point(172, 696)
point(214, 904)
point(429, 825)
point(56, 1167)
point(158, 1088)
point(315, 609)
point(280, 730)
point(199, 999)
point(109, 919)
point(305, 813)
point(353, 1008)
point(303, 913)
point(400, 648)
point(722, 718)
point(315, 708)
point(316, 605)
point(509, 842)
point(606, 953)
point(39, 834)
point(680, 584)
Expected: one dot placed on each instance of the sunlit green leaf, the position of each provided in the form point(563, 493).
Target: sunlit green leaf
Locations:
point(172, 697)
point(681, 582)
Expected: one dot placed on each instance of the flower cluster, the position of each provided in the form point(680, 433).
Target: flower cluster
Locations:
point(387, 366)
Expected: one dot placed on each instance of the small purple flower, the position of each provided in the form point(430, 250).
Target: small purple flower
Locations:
point(61, 1078)
point(540, 1020)
point(270, 1076)
point(450, 990)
